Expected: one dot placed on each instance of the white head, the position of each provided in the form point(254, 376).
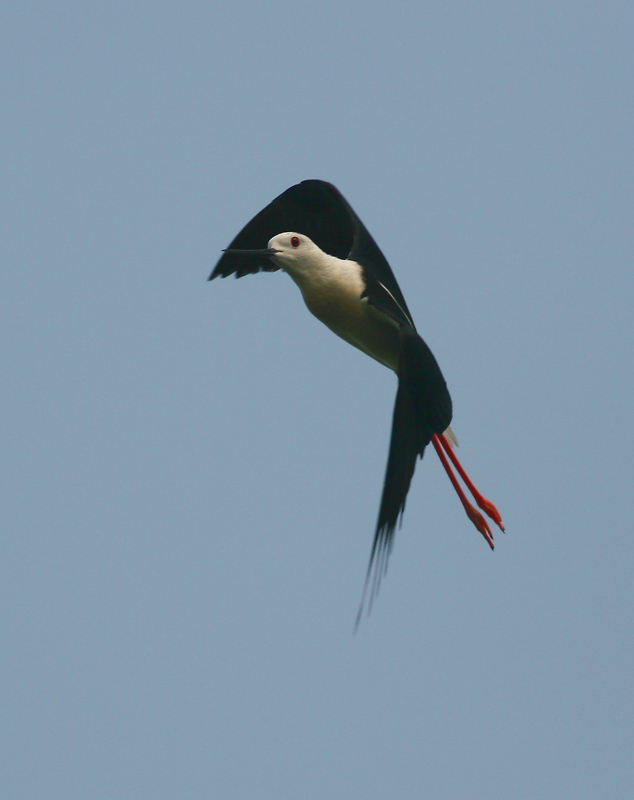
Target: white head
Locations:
point(295, 252)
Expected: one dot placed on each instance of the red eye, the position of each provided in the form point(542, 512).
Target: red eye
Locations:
point(295, 241)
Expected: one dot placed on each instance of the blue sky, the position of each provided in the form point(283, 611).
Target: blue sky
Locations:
point(192, 470)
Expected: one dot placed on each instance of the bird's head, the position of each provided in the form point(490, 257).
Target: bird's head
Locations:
point(293, 252)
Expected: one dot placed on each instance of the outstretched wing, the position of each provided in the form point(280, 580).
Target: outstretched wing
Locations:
point(318, 210)
point(312, 207)
point(422, 408)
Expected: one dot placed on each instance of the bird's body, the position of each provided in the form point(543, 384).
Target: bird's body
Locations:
point(333, 289)
point(312, 233)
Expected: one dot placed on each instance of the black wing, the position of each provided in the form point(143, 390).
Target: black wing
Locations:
point(422, 408)
point(318, 210)
point(423, 405)
point(313, 208)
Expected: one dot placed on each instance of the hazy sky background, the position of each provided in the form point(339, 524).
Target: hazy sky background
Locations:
point(192, 470)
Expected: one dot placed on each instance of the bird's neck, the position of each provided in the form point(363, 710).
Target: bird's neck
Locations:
point(325, 273)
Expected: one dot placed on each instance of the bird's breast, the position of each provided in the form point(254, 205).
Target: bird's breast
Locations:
point(336, 300)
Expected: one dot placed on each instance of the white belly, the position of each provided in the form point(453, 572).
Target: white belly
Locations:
point(336, 301)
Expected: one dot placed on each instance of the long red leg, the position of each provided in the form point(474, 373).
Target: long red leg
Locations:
point(486, 505)
point(474, 515)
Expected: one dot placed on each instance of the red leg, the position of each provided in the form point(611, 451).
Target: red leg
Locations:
point(474, 515)
point(486, 505)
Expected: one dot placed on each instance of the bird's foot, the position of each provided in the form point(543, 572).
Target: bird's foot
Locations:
point(479, 521)
point(486, 505)
point(489, 509)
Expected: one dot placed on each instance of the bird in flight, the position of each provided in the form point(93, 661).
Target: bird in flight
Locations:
point(311, 232)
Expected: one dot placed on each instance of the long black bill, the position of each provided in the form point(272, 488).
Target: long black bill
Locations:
point(267, 252)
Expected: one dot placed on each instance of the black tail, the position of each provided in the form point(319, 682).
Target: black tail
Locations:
point(422, 408)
